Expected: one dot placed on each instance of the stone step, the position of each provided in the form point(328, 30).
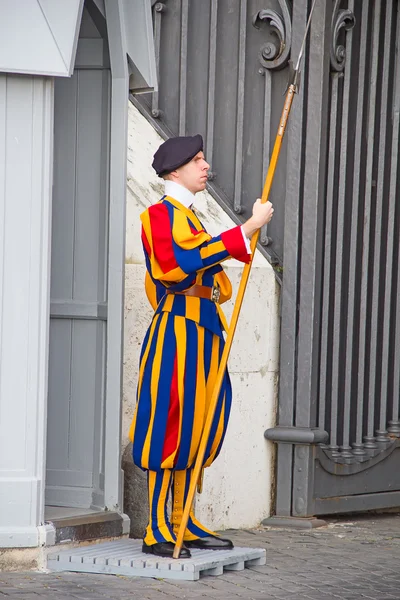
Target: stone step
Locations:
point(86, 527)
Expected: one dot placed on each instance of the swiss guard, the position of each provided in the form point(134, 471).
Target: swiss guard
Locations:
point(185, 284)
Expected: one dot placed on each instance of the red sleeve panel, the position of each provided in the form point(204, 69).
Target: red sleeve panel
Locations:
point(161, 234)
point(234, 243)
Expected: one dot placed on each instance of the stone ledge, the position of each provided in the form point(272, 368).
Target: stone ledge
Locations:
point(90, 527)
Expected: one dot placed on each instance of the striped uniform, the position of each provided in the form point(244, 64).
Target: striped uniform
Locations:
point(180, 355)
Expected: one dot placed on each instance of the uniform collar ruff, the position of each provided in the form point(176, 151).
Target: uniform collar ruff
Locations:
point(179, 193)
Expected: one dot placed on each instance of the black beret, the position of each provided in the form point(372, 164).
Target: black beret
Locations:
point(175, 153)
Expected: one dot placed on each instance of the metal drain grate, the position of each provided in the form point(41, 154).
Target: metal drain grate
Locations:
point(125, 557)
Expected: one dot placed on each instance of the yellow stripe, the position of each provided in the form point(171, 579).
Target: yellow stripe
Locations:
point(222, 317)
point(218, 436)
point(211, 249)
point(193, 308)
point(145, 218)
point(212, 374)
point(225, 286)
point(181, 347)
point(155, 375)
point(163, 498)
point(175, 275)
point(183, 235)
point(149, 537)
point(169, 300)
point(133, 424)
point(141, 371)
point(200, 399)
point(214, 363)
point(151, 291)
point(210, 387)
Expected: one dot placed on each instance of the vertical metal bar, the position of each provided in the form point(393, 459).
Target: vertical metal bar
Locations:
point(116, 257)
point(266, 138)
point(290, 283)
point(311, 250)
point(3, 184)
point(394, 424)
point(72, 327)
point(369, 438)
point(353, 300)
point(312, 230)
point(237, 203)
point(98, 481)
point(327, 285)
point(337, 358)
point(183, 67)
point(211, 84)
point(74, 207)
point(382, 434)
point(157, 44)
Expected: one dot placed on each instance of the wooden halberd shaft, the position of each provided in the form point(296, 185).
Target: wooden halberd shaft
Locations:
point(232, 327)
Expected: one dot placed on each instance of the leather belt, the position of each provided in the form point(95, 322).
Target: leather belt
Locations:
point(200, 291)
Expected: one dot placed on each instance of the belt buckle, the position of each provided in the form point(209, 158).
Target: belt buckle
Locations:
point(215, 294)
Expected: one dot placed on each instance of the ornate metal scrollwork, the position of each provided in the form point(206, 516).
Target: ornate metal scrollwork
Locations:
point(342, 19)
point(275, 56)
point(159, 7)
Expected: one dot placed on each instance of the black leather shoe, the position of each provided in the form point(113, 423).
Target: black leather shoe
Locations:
point(210, 542)
point(165, 549)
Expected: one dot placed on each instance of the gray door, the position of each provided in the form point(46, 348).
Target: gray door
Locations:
point(75, 461)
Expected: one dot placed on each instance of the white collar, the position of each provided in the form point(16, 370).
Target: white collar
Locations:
point(178, 192)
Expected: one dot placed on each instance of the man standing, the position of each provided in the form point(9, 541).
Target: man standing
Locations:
point(185, 284)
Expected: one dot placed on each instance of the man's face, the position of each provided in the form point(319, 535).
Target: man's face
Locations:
point(193, 175)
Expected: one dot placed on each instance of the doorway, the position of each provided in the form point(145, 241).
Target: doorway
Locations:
point(78, 324)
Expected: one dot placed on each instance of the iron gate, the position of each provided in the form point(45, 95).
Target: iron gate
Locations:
point(222, 71)
point(340, 365)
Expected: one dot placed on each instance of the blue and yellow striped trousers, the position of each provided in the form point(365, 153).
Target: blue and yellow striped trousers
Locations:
point(178, 367)
point(177, 372)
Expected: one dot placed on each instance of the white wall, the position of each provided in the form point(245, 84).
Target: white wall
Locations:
point(237, 487)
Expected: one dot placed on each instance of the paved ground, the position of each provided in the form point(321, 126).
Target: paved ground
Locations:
point(347, 560)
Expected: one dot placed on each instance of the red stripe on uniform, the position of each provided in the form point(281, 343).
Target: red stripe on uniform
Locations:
point(171, 434)
point(195, 231)
point(161, 233)
point(234, 243)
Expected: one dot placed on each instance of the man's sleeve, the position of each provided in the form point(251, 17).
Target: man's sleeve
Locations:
point(246, 241)
point(177, 251)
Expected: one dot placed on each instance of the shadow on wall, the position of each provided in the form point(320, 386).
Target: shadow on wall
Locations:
point(136, 504)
